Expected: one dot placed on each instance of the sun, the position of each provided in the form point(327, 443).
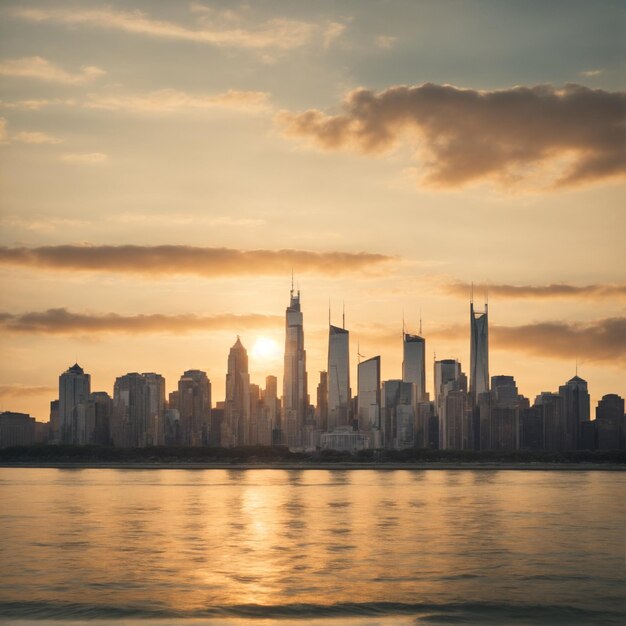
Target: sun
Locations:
point(265, 349)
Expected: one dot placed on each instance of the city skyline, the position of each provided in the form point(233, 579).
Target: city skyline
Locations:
point(414, 368)
point(165, 166)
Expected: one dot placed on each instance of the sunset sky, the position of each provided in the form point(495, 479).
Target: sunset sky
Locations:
point(165, 165)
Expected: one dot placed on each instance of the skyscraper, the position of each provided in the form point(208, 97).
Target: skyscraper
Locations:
point(479, 353)
point(397, 414)
point(368, 394)
point(414, 364)
point(339, 393)
point(295, 393)
point(74, 390)
point(321, 412)
point(130, 411)
point(576, 408)
point(194, 405)
point(237, 407)
point(155, 389)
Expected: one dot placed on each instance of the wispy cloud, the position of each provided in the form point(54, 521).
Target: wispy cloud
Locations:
point(35, 137)
point(85, 158)
point(224, 29)
point(590, 73)
point(42, 69)
point(169, 100)
point(558, 137)
point(558, 290)
point(64, 322)
point(385, 41)
point(25, 391)
point(208, 262)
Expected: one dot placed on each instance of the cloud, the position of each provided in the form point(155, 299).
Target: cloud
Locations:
point(333, 31)
point(224, 30)
point(85, 158)
point(601, 340)
point(169, 100)
point(42, 69)
point(385, 41)
point(590, 73)
point(35, 137)
point(25, 391)
point(540, 134)
point(207, 262)
point(64, 322)
point(559, 290)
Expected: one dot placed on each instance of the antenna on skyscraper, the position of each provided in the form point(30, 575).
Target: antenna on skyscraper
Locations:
point(329, 311)
point(358, 352)
point(343, 316)
point(472, 293)
point(292, 281)
point(403, 329)
point(420, 321)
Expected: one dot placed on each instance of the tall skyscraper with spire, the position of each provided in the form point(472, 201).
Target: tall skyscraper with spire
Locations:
point(479, 353)
point(295, 392)
point(237, 405)
point(339, 393)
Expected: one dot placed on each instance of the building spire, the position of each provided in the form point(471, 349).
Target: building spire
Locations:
point(329, 311)
point(472, 293)
point(420, 321)
point(343, 316)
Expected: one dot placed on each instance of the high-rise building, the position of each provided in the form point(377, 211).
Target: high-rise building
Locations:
point(339, 393)
point(155, 429)
point(194, 406)
point(321, 410)
point(397, 414)
point(610, 423)
point(268, 411)
point(551, 408)
point(130, 423)
point(414, 364)
point(445, 371)
point(74, 390)
point(479, 354)
point(295, 392)
point(454, 422)
point(100, 412)
point(237, 407)
point(368, 394)
point(577, 410)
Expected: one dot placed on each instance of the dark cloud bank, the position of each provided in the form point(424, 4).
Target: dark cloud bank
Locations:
point(208, 262)
point(465, 135)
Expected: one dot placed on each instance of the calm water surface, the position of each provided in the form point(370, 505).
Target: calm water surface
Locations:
point(311, 546)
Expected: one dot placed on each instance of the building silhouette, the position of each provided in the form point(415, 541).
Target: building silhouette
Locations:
point(368, 395)
point(194, 407)
point(130, 423)
point(576, 410)
point(237, 405)
point(479, 353)
point(339, 393)
point(74, 390)
point(414, 364)
point(295, 392)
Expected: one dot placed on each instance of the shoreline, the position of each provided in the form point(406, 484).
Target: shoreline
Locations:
point(576, 467)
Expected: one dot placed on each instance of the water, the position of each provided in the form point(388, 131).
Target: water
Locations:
point(345, 547)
